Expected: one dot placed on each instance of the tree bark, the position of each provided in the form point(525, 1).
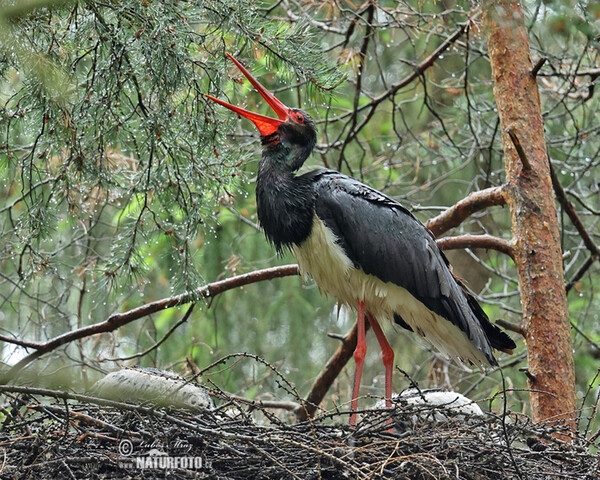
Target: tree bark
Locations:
point(536, 241)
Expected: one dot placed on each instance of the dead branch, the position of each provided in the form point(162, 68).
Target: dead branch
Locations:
point(581, 272)
point(539, 64)
point(511, 326)
point(519, 148)
point(425, 64)
point(277, 404)
point(19, 342)
point(363, 54)
point(570, 210)
point(117, 320)
point(474, 202)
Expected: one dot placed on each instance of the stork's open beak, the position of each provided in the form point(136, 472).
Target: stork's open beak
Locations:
point(266, 125)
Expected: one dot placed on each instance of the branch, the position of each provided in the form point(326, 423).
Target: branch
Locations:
point(570, 209)
point(474, 202)
point(330, 372)
point(519, 148)
point(416, 73)
point(283, 405)
point(363, 54)
point(424, 65)
point(160, 342)
point(117, 320)
point(581, 272)
point(511, 326)
point(19, 342)
point(538, 65)
point(488, 242)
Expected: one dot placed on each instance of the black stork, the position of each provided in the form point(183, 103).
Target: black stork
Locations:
point(362, 247)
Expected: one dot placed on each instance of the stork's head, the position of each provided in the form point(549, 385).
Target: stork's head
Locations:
point(292, 133)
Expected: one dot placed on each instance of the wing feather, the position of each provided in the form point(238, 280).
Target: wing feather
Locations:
point(386, 240)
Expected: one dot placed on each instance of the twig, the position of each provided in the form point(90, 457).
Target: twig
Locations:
point(583, 204)
point(291, 389)
point(505, 430)
point(532, 378)
point(570, 210)
point(425, 64)
point(416, 73)
point(283, 405)
point(519, 148)
point(362, 57)
point(539, 64)
point(160, 342)
point(511, 326)
point(583, 400)
point(581, 272)
point(277, 462)
point(81, 417)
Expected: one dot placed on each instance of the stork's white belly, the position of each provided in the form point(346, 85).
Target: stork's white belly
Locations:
point(323, 259)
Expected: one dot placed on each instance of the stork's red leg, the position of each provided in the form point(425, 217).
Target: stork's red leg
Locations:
point(359, 359)
point(388, 358)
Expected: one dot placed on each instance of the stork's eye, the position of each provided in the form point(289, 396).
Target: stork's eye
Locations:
point(298, 118)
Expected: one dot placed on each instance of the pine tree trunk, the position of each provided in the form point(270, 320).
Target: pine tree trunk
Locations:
point(537, 250)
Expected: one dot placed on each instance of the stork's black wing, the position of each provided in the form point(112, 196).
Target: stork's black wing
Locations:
point(383, 238)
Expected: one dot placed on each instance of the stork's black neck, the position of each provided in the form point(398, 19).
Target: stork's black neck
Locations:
point(285, 201)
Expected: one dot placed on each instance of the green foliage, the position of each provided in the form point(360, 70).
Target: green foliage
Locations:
point(113, 167)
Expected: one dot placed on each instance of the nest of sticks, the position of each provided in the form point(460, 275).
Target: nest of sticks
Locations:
point(56, 435)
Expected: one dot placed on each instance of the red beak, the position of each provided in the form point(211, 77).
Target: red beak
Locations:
point(266, 125)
